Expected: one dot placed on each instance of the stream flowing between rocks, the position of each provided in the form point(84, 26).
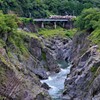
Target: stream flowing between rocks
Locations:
point(56, 81)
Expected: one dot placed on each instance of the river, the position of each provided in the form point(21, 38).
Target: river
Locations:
point(56, 81)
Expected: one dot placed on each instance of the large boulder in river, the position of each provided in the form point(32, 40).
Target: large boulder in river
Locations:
point(41, 73)
point(42, 96)
point(45, 86)
point(52, 64)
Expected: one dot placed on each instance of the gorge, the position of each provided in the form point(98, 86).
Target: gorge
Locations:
point(50, 64)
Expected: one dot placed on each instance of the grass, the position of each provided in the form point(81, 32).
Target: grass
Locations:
point(17, 39)
point(95, 37)
point(34, 35)
point(47, 33)
point(70, 33)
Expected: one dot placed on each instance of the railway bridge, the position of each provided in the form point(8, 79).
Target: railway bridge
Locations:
point(66, 22)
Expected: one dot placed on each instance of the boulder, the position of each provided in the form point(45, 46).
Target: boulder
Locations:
point(45, 86)
point(42, 96)
point(41, 73)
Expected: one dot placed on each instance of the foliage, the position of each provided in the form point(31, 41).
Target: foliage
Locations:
point(8, 29)
point(43, 55)
point(34, 35)
point(17, 39)
point(44, 8)
point(25, 20)
point(52, 32)
point(89, 20)
point(94, 69)
point(47, 33)
point(95, 36)
point(8, 23)
point(70, 33)
point(2, 98)
point(2, 43)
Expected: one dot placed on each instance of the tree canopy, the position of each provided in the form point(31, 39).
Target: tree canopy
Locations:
point(89, 20)
point(8, 23)
point(44, 8)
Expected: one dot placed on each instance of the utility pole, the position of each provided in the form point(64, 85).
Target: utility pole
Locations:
point(73, 13)
point(30, 15)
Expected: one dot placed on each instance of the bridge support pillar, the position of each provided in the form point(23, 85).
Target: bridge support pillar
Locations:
point(71, 26)
point(55, 25)
point(42, 25)
point(63, 24)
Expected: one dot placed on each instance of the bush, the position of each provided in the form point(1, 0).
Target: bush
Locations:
point(8, 23)
point(94, 69)
point(26, 20)
point(88, 19)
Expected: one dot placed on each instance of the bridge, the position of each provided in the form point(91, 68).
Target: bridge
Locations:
point(50, 20)
point(65, 21)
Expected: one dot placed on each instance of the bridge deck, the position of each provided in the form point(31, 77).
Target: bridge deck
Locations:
point(50, 20)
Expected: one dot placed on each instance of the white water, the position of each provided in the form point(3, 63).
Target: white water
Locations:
point(56, 81)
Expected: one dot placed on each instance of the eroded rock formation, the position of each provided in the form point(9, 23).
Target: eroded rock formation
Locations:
point(83, 81)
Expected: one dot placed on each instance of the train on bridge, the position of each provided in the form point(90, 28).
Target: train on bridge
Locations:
point(62, 17)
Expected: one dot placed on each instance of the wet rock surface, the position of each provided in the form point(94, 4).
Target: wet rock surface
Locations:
point(41, 73)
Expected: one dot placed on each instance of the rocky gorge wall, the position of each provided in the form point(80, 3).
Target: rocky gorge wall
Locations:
point(20, 73)
point(26, 58)
point(83, 82)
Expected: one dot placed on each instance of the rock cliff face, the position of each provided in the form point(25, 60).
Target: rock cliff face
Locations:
point(24, 60)
point(43, 55)
point(83, 82)
point(23, 63)
point(19, 75)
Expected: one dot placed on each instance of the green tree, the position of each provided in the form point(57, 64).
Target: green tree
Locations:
point(43, 8)
point(88, 19)
point(8, 23)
